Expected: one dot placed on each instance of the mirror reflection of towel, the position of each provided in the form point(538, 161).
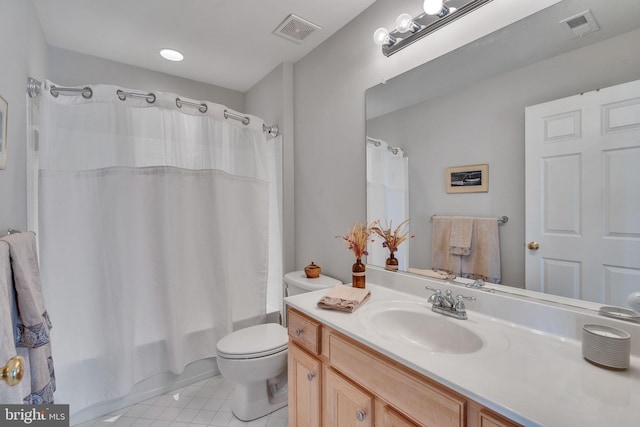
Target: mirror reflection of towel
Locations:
point(460, 235)
point(441, 258)
point(344, 298)
point(484, 260)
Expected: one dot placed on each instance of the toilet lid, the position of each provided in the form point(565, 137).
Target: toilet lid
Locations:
point(254, 341)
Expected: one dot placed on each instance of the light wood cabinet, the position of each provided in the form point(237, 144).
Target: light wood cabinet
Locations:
point(304, 388)
point(337, 381)
point(344, 404)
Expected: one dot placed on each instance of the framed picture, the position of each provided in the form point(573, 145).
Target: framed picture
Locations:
point(3, 132)
point(468, 179)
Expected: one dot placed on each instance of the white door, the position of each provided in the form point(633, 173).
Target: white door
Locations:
point(583, 195)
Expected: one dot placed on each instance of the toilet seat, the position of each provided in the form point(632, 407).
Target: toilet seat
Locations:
point(253, 342)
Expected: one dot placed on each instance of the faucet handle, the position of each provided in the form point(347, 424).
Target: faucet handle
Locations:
point(478, 283)
point(459, 305)
point(436, 298)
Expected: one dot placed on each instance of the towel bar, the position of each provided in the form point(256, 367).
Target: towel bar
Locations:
point(502, 219)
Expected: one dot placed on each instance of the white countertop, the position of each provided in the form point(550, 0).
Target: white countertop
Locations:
point(532, 377)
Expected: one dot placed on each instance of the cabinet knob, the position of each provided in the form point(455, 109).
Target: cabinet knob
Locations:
point(298, 332)
point(360, 415)
point(311, 376)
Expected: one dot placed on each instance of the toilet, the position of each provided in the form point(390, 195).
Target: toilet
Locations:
point(255, 358)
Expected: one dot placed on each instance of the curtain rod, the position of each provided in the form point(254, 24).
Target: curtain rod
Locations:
point(34, 89)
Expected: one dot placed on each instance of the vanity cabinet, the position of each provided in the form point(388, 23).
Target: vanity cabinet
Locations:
point(337, 381)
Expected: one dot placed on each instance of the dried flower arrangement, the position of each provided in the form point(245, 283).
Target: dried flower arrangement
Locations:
point(391, 239)
point(357, 238)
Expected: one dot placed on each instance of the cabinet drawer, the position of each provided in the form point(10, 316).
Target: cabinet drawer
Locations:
point(488, 419)
point(419, 398)
point(304, 331)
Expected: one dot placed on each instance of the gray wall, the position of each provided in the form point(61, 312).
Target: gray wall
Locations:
point(67, 68)
point(23, 49)
point(484, 123)
point(272, 100)
point(329, 86)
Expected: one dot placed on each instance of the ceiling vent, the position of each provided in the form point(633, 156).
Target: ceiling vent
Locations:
point(295, 29)
point(581, 24)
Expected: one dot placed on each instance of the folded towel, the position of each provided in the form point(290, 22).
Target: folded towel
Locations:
point(460, 235)
point(344, 298)
point(436, 274)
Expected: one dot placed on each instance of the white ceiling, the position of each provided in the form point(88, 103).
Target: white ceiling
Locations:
point(227, 43)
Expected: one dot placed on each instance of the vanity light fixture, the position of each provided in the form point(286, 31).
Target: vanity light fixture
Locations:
point(436, 15)
point(171, 55)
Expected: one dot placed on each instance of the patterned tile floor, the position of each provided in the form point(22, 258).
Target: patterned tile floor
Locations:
point(201, 404)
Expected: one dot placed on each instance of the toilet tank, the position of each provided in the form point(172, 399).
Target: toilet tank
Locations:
point(296, 282)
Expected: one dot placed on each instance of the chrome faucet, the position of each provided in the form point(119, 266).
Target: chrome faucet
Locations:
point(447, 304)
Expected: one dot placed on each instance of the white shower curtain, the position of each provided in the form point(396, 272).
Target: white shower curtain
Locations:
point(153, 225)
point(387, 196)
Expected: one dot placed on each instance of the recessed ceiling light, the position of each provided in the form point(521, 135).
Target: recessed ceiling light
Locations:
point(171, 55)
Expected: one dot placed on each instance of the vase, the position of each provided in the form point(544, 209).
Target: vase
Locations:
point(391, 263)
point(357, 272)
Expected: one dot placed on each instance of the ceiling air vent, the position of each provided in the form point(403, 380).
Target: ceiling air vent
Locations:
point(581, 24)
point(295, 29)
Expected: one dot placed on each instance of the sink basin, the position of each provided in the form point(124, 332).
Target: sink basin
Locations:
point(414, 324)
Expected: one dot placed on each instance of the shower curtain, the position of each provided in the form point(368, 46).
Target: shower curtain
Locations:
point(387, 196)
point(154, 233)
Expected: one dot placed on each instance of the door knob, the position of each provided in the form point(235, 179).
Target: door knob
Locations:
point(534, 246)
point(13, 370)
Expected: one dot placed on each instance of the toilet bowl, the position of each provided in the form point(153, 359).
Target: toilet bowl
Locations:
point(255, 358)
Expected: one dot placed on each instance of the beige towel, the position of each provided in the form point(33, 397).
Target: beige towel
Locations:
point(484, 260)
point(13, 394)
point(436, 274)
point(441, 258)
point(460, 235)
point(34, 324)
point(344, 298)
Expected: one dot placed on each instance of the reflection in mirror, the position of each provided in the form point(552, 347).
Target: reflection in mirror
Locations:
point(387, 196)
point(468, 107)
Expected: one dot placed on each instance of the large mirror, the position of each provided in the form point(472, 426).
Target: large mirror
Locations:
point(468, 108)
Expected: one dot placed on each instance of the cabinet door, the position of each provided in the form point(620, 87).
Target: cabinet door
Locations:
point(386, 416)
point(304, 388)
point(345, 405)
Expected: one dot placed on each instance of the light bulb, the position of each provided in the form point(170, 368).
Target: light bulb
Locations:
point(404, 22)
point(381, 36)
point(432, 7)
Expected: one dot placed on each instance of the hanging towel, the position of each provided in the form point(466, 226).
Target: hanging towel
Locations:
point(344, 298)
point(460, 235)
point(13, 394)
point(484, 260)
point(32, 331)
point(441, 258)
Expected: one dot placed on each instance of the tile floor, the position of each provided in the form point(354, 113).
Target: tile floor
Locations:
point(201, 404)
